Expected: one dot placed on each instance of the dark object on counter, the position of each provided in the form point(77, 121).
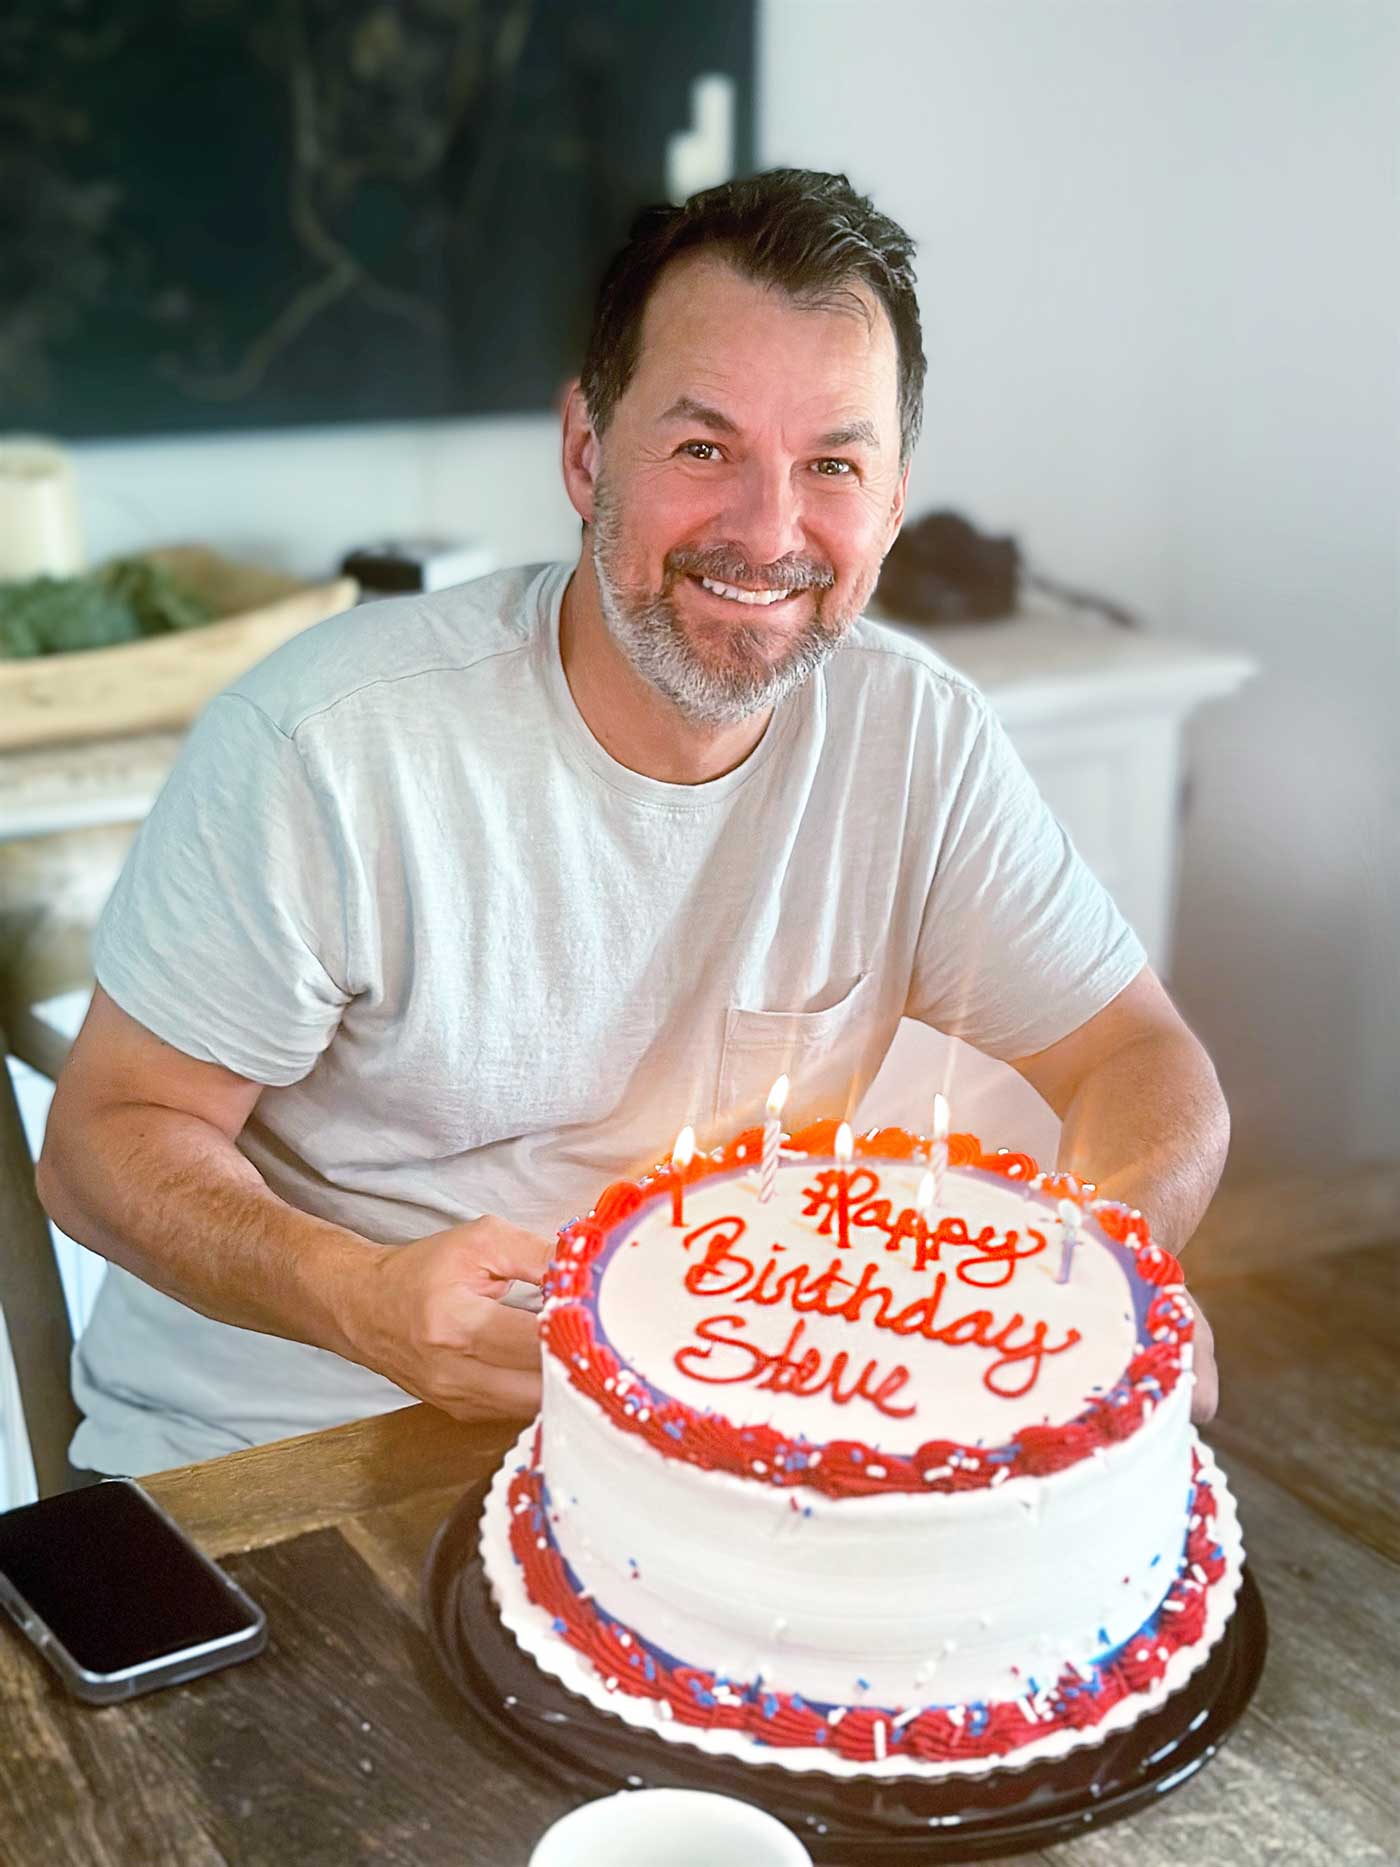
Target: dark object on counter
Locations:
point(402, 564)
point(942, 569)
point(123, 602)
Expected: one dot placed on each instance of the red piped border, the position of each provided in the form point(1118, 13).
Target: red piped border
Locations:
point(785, 1721)
point(849, 1467)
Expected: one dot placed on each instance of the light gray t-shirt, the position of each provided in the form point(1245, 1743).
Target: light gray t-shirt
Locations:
point(482, 967)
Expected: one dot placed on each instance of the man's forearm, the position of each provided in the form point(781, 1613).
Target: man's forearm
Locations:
point(1150, 1127)
point(171, 1199)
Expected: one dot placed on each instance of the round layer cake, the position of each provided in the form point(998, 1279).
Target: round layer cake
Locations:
point(824, 1481)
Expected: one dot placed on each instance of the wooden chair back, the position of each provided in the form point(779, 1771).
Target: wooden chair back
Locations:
point(31, 1297)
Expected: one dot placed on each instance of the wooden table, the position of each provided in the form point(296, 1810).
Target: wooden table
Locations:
point(343, 1744)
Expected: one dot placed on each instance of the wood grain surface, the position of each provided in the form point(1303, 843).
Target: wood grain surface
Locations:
point(274, 1492)
point(344, 1744)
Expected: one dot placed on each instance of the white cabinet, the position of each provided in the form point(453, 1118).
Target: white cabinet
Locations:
point(1097, 713)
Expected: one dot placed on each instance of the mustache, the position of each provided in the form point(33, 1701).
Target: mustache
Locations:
point(727, 564)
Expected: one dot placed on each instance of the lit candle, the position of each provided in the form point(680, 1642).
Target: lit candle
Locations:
point(923, 1206)
point(681, 1156)
point(772, 1138)
point(1069, 1219)
point(844, 1149)
point(938, 1153)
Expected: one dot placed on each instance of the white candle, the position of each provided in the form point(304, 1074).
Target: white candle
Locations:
point(845, 1147)
point(39, 533)
point(923, 1199)
point(938, 1153)
point(923, 1206)
point(772, 1140)
point(1069, 1219)
point(681, 1156)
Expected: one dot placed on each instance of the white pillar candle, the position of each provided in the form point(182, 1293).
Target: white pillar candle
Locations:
point(39, 533)
point(772, 1140)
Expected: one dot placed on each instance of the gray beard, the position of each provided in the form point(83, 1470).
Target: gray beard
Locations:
point(647, 629)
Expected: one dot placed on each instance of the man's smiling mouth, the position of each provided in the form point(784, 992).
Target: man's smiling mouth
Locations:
point(762, 599)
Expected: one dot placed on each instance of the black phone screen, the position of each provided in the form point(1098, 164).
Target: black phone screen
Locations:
point(111, 1579)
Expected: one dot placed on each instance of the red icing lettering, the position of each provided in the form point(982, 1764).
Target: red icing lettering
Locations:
point(787, 1373)
point(825, 1196)
point(724, 1271)
point(706, 1278)
point(999, 1257)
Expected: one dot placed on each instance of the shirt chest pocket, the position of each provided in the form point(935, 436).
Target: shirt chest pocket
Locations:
point(830, 1054)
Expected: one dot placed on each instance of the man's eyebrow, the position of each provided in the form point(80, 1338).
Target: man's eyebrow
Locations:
point(854, 434)
point(860, 432)
point(686, 408)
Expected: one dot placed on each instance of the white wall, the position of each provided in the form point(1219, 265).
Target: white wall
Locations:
point(1161, 289)
point(1160, 276)
point(301, 499)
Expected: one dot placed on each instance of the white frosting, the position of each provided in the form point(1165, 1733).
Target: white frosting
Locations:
point(650, 1316)
point(533, 1628)
point(924, 1596)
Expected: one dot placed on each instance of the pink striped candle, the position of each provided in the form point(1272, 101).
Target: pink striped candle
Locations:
point(772, 1140)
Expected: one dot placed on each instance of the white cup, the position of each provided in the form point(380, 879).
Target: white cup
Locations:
point(669, 1828)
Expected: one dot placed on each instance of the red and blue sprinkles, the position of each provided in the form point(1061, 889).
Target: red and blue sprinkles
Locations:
point(862, 1734)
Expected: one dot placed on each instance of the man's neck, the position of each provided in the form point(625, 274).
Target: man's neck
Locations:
point(633, 723)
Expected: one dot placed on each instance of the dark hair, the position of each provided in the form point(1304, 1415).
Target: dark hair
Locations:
point(805, 231)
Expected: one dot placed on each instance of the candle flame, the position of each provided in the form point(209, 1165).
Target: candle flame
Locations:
point(1069, 1215)
point(777, 1096)
point(684, 1151)
point(923, 1199)
point(845, 1146)
point(940, 1117)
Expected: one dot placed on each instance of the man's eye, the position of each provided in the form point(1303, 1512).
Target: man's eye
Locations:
point(699, 450)
point(833, 469)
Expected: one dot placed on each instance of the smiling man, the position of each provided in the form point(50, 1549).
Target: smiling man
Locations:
point(460, 905)
point(755, 479)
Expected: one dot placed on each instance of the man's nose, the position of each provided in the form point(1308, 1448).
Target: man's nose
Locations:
point(765, 517)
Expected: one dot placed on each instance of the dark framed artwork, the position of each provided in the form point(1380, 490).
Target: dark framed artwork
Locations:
point(249, 214)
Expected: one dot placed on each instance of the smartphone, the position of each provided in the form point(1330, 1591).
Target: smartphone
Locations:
point(116, 1597)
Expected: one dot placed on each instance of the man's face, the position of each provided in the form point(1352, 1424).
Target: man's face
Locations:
point(747, 488)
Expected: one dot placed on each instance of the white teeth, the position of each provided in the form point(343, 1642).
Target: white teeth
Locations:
point(762, 597)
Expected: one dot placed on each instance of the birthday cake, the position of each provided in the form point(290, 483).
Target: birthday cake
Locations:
point(853, 1466)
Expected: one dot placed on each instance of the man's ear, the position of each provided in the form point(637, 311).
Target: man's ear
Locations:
point(580, 459)
point(901, 493)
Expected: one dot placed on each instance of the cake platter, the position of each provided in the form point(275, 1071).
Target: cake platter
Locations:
point(862, 1821)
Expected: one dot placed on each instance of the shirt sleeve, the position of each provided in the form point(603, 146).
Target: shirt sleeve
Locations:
point(1020, 942)
point(226, 932)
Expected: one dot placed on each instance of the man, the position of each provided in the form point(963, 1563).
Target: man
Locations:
point(461, 905)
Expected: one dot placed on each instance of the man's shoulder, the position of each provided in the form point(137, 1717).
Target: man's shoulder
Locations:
point(875, 655)
point(398, 645)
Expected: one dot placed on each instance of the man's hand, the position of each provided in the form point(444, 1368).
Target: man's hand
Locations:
point(429, 1317)
point(1206, 1394)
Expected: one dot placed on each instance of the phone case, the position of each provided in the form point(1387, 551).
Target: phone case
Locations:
point(149, 1675)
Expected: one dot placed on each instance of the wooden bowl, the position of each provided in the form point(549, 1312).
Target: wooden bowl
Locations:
point(164, 680)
